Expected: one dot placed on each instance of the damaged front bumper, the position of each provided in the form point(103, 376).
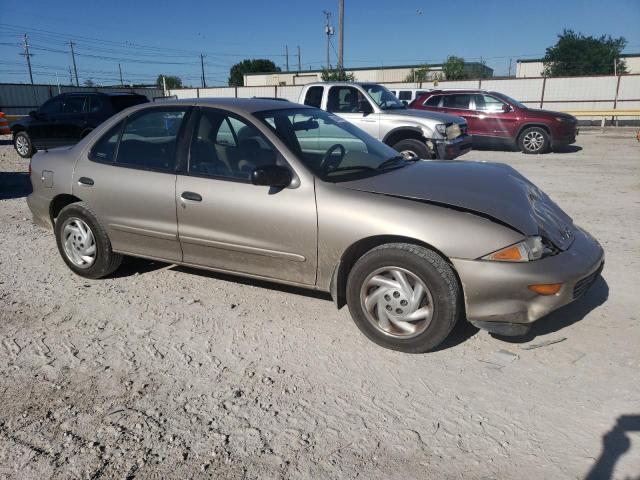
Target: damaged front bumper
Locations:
point(450, 149)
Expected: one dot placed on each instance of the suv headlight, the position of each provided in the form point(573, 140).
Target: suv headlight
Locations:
point(527, 250)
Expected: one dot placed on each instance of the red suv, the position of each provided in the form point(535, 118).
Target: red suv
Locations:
point(496, 118)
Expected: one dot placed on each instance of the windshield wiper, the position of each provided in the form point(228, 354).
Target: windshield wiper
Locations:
point(393, 162)
point(353, 167)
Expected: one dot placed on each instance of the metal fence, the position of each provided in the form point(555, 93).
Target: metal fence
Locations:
point(19, 99)
point(562, 93)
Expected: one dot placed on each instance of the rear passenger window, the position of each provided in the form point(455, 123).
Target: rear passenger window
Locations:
point(460, 101)
point(104, 150)
point(96, 104)
point(227, 147)
point(74, 104)
point(313, 98)
point(149, 139)
point(433, 101)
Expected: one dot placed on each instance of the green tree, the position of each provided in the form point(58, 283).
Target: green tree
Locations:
point(171, 80)
point(454, 68)
point(89, 83)
point(337, 75)
point(418, 74)
point(236, 74)
point(575, 54)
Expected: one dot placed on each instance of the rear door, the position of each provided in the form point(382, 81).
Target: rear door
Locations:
point(227, 223)
point(128, 179)
point(457, 104)
point(72, 121)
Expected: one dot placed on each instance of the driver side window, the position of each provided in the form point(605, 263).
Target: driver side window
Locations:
point(227, 147)
point(343, 100)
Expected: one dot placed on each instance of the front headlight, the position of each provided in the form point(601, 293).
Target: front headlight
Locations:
point(562, 119)
point(441, 128)
point(528, 250)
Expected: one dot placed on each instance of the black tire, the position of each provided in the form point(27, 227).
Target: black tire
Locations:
point(23, 136)
point(540, 145)
point(106, 261)
point(432, 269)
point(418, 148)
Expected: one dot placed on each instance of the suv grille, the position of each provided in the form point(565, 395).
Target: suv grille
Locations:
point(584, 283)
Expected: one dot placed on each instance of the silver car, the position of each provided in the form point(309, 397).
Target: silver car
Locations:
point(293, 194)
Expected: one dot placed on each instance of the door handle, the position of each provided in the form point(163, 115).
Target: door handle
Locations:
point(85, 181)
point(194, 197)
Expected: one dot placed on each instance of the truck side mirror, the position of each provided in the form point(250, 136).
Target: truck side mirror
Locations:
point(364, 106)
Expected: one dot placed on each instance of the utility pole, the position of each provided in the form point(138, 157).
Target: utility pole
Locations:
point(615, 68)
point(120, 70)
point(70, 77)
point(328, 30)
point(27, 55)
point(286, 54)
point(509, 67)
point(299, 62)
point(73, 57)
point(164, 85)
point(340, 34)
point(204, 82)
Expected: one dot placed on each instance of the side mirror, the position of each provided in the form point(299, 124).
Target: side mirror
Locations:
point(364, 106)
point(506, 108)
point(271, 176)
point(405, 103)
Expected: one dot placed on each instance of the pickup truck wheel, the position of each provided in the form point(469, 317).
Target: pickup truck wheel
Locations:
point(83, 242)
point(403, 297)
point(534, 140)
point(22, 144)
point(413, 147)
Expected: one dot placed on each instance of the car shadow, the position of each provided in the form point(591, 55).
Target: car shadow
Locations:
point(615, 443)
point(6, 141)
point(255, 282)
point(567, 149)
point(132, 266)
point(14, 185)
point(567, 315)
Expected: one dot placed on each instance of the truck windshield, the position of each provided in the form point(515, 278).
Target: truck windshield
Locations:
point(383, 97)
point(332, 148)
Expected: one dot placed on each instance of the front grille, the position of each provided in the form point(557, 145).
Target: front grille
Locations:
point(584, 283)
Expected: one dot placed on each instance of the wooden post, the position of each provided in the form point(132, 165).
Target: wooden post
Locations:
point(544, 83)
point(615, 99)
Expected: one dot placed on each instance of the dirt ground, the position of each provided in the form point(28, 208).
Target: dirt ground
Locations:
point(169, 372)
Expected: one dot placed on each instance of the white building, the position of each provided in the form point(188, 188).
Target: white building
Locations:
point(368, 74)
point(534, 67)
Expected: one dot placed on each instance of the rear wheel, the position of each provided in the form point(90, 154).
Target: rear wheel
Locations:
point(534, 140)
point(22, 144)
point(403, 297)
point(83, 242)
point(412, 147)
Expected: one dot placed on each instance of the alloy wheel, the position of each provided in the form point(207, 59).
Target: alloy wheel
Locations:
point(22, 145)
point(397, 302)
point(78, 242)
point(533, 141)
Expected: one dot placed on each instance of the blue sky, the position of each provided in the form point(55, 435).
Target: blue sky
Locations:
point(141, 32)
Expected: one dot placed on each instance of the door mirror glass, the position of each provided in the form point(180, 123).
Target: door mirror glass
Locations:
point(364, 106)
point(271, 176)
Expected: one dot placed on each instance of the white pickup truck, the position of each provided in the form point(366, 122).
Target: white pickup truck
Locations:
point(378, 112)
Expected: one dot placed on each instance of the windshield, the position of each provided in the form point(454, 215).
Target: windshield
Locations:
point(332, 148)
point(383, 97)
point(512, 101)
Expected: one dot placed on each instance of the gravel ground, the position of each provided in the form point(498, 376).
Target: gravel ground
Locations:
point(163, 371)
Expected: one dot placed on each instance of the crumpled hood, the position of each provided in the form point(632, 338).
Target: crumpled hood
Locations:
point(437, 116)
point(492, 189)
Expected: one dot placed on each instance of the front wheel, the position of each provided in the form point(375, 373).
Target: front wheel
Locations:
point(403, 297)
point(411, 147)
point(83, 242)
point(534, 140)
point(22, 144)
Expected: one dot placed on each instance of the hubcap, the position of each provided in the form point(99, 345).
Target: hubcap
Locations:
point(22, 146)
point(397, 302)
point(533, 141)
point(409, 154)
point(79, 244)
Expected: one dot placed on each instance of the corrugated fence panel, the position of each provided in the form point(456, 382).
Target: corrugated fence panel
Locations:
point(580, 88)
point(266, 91)
point(629, 88)
point(291, 93)
point(223, 92)
point(526, 90)
point(184, 92)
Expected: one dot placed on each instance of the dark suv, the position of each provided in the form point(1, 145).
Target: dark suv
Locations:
point(495, 118)
point(65, 119)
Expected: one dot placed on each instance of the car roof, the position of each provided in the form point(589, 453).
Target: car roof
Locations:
point(109, 94)
point(248, 105)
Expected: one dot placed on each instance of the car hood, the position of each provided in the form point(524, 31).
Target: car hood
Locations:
point(550, 113)
point(437, 116)
point(493, 190)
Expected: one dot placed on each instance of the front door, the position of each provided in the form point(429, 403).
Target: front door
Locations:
point(69, 124)
point(346, 102)
point(42, 124)
point(128, 179)
point(227, 223)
